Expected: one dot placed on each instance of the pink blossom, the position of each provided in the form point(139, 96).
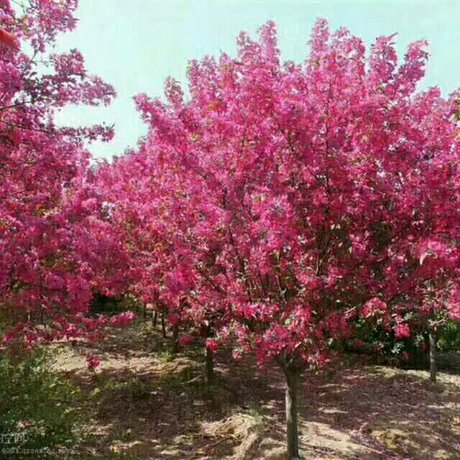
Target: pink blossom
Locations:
point(8, 39)
point(402, 331)
point(123, 319)
point(406, 356)
point(212, 344)
point(185, 340)
point(92, 362)
point(374, 307)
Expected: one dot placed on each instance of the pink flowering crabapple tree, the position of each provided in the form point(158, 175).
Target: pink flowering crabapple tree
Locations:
point(149, 206)
point(296, 197)
point(56, 244)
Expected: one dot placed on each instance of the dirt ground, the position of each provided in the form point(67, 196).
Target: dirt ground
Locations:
point(148, 404)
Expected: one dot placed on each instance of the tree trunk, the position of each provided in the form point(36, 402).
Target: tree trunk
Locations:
point(175, 339)
point(292, 384)
point(433, 366)
point(163, 324)
point(154, 318)
point(209, 354)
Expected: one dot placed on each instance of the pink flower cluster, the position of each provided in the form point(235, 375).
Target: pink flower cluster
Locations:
point(123, 319)
point(402, 331)
point(92, 362)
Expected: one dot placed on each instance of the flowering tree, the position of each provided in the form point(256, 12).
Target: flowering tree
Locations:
point(150, 206)
point(56, 244)
point(300, 196)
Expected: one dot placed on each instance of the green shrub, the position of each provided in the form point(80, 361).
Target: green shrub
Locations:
point(376, 340)
point(38, 409)
point(449, 336)
point(104, 305)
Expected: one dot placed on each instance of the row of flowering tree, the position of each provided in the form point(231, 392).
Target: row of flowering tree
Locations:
point(268, 210)
point(56, 246)
point(279, 202)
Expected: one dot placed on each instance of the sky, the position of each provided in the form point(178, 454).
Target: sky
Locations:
point(136, 44)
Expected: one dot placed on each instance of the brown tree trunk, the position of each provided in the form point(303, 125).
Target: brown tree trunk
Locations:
point(154, 318)
point(292, 388)
point(209, 355)
point(163, 324)
point(175, 339)
point(433, 365)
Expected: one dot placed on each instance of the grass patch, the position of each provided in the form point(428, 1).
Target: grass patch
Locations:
point(40, 408)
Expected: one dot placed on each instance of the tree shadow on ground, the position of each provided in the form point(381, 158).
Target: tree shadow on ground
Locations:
point(149, 404)
point(157, 405)
point(390, 413)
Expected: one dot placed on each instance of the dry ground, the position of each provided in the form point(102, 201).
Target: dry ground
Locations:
point(147, 404)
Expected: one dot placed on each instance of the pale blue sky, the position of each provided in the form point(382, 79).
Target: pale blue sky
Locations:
point(136, 44)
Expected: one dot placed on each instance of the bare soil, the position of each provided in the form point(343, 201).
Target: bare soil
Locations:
point(148, 404)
